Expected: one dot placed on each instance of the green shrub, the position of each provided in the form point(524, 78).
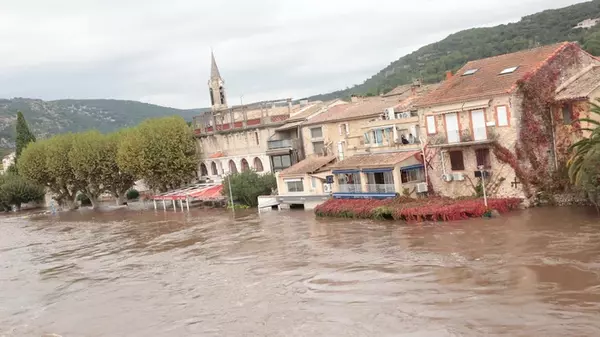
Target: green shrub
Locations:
point(247, 186)
point(84, 200)
point(133, 194)
point(16, 190)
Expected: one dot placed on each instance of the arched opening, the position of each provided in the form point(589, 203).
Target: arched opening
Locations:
point(245, 166)
point(203, 170)
point(213, 169)
point(232, 167)
point(258, 165)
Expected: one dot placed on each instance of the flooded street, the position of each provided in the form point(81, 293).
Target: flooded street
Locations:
point(126, 273)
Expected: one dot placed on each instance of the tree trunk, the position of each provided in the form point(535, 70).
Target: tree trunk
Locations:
point(121, 199)
point(95, 202)
point(70, 203)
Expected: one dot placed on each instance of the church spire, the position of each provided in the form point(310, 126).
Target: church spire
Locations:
point(216, 86)
point(214, 70)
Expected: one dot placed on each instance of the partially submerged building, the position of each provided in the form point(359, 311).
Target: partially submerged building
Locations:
point(493, 106)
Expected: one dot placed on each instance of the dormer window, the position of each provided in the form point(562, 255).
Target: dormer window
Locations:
point(470, 72)
point(508, 70)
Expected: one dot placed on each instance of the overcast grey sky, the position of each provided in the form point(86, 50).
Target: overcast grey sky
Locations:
point(158, 51)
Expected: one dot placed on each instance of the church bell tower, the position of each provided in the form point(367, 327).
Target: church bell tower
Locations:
point(216, 86)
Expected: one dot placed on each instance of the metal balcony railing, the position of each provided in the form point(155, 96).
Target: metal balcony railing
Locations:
point(381, 188)
point(350, 188)
point(282, 144)
point(465, 136)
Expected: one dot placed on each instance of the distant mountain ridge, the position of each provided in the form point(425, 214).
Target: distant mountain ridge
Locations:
point(432, 61)
point(74, 115)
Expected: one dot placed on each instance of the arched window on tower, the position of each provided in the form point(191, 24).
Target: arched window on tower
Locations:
point(245, 166)
point(212, 97)
point(213, 168)
point(258, 166)
point(222, 94)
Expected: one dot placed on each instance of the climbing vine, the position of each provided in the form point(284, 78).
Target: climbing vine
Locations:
point(531, 159)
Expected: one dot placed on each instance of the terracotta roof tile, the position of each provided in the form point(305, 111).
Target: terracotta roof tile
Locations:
point(363, 108)
point(374, 160)
point(581, 86)
point(486, 81)
point(308, 165)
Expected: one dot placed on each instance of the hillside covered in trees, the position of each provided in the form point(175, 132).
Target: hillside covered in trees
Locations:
point(47, 118)
point(432, 61)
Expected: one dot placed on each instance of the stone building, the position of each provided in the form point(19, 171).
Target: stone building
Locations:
point(481, 107)
point(235, 138)
point(371, 147)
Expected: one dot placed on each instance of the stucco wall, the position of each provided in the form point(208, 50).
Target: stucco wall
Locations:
point(308, 190)
point(507, 136)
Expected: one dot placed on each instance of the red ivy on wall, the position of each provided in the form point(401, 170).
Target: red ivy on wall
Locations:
point(531, 160)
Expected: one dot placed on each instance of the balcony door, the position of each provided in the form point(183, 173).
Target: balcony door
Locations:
point(452, 127)
point(478, 121)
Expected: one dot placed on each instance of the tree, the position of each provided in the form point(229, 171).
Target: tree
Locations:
point(47, 163)
point(247, 186)
point(90, 161)
point(117, 181)
point(15, 190)
point(584, 163)
point(24, 135)
point(160, 151)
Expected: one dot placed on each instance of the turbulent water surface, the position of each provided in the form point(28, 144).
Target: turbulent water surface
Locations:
point(206, 273)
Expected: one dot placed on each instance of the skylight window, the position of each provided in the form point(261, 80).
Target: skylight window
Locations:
point(470, 72)
point(508, 70)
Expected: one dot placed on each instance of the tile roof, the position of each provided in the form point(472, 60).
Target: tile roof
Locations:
point(581, 85)
point(374, 160)
point(308, 165)
point(399, 90)
point(217, 155)
point(364, 107)
point(486, 81)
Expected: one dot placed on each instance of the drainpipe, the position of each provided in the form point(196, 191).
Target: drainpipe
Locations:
point(424, 163)
point(553, 142)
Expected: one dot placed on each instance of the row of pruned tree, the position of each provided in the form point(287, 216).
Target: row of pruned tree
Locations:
point(160, 151)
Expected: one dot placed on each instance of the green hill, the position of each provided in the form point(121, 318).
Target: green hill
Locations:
point(432, 61)
point(52, 117)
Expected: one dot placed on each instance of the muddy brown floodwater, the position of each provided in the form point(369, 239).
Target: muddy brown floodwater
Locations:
point(127, 273)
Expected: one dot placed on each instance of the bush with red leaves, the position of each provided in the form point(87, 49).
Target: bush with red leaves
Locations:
point(414, 210)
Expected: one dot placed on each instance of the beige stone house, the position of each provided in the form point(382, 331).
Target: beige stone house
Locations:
point(377, 129)
point(237, 138)
point(481, 106)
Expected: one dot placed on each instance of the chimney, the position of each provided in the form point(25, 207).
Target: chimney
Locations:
point(354, 98)
point(448, 75)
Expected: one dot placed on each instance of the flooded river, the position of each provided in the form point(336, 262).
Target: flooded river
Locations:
point(127, 273)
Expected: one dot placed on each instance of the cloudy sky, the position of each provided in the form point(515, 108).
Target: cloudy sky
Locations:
point(158, 51)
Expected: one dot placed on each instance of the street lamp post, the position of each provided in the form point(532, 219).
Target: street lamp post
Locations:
point(481, 167)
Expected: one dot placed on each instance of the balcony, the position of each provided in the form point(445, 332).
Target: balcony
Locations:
point(381, 188)
point(350, 188)
point(282, 144)
point(464, 137)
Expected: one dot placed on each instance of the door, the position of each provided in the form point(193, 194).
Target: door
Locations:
point(452, 128)
point(478, 121)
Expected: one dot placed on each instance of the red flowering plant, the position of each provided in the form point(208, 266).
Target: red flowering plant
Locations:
point(414, 210)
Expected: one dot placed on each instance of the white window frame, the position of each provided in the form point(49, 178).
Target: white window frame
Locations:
point(340, 129)
point(499, 112)
point(431, 127)
point(298, 180)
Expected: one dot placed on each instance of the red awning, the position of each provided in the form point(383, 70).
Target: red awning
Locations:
point(210, 193)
